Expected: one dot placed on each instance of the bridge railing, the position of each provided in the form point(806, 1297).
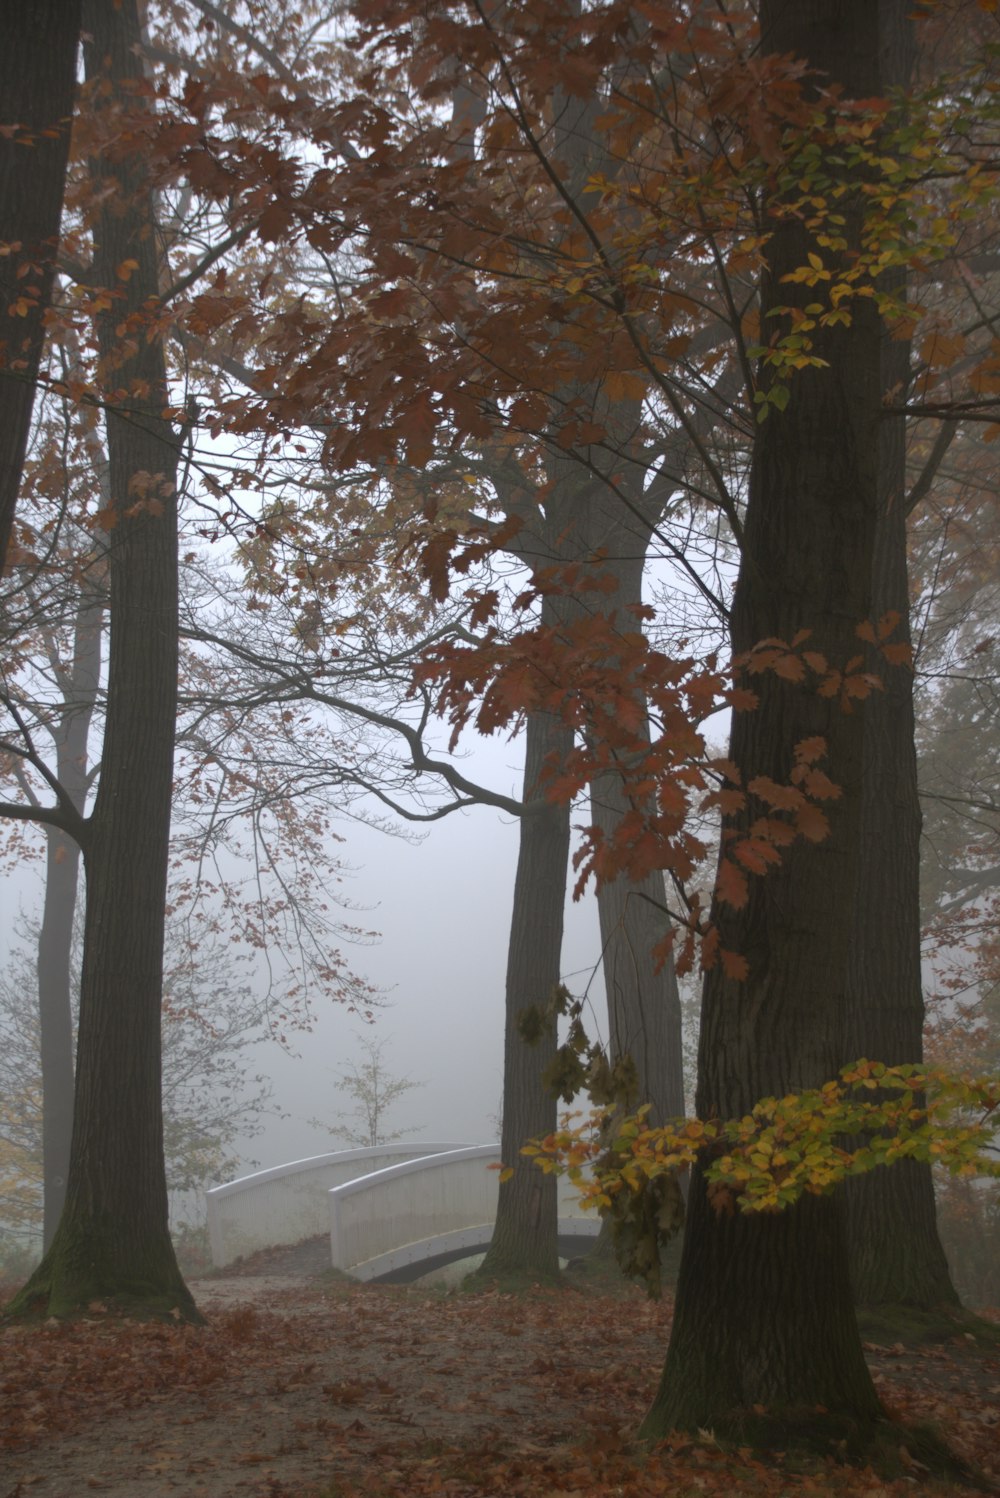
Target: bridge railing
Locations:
point(423, 1207)
point(289, 1202)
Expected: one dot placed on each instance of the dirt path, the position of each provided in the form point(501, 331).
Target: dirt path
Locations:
point(300, 1387)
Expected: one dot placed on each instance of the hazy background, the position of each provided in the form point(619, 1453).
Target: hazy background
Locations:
point(442, 909)
point(443, 912)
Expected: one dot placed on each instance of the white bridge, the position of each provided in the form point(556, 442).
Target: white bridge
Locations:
point(393, 1212)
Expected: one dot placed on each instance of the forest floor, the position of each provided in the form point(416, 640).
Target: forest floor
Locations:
point(304, 1386)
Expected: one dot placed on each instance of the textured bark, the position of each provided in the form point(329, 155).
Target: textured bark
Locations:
point(764, 1313)
point(895, 1253)
point(38, 45)
point(55, 1022)
point(644, 1010)
point(113, 1241)
point(644, 1013)
point(55, 937)
point(524, 1239)
point(581, 521)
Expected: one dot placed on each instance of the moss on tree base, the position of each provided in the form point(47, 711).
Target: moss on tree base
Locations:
point(807, 1440)
point(915, 1326)
point(86, 1272)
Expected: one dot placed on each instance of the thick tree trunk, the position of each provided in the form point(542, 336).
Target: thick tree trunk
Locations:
point(895, 1252)
point(55, 937)
point(55, 1022)
point(764, 1313)
point(524, 1242)
point(38, 45)
point(896, 1255)
point(113, 1241)
point(644, 1010)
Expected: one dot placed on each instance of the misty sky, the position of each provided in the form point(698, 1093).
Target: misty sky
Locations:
point(443, 910)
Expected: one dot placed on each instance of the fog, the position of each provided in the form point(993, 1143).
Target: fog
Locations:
point(442, 909)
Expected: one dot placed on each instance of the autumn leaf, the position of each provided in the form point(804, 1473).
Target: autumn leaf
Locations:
point(734, 965)
point(812, 823)
point(622, 385)
point(807, 751)
point(731, 884)
point(782, 797)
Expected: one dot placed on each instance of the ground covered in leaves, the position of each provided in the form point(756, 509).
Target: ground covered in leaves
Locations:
point(305, 1387)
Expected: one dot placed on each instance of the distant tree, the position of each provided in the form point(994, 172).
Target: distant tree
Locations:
point(210, 1095)
point(372, 1090)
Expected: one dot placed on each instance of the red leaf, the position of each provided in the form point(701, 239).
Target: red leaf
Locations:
point(812, 823)
point(734, 966)
point(783, 797)
point(820, 786)
point(807, 751)
point(731, 885)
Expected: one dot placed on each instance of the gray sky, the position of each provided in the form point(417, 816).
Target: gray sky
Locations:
point(443, 911)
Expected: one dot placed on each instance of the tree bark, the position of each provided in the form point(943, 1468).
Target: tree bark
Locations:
point(895, 1253)
point(55, 937)
point(37, 88)
point(644, 1010)
point(524, 1242)
point(764, 1314)
point(113, 1242)
point(644, 1014)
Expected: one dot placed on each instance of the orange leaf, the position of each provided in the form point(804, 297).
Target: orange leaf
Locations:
point(812, 823)
point(898, 655)
point(733, 965)
point(820, 786)
point(731, 885)
point(790, 667)
point(888, 623)
point(807, 751)
point(784, 797)
point(728, 769)
point(776, 832)
point(755, 854)
point(621, 384)
point(861, 685)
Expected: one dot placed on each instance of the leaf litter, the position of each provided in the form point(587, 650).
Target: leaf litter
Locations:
point(307, 1388)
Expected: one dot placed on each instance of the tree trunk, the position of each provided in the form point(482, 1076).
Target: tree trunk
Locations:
point(644, 1010)
point(55, 1021)
point(524, 1242)
point(644, 1007)
point(764, 1313)
point(37, 87)
point(113, 1241)
point(55, 937)
point(895, 1253)
point(644, 1014)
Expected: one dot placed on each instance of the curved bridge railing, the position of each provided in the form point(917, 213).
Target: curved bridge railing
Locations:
point(289, 1202)
point(408, 1218)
